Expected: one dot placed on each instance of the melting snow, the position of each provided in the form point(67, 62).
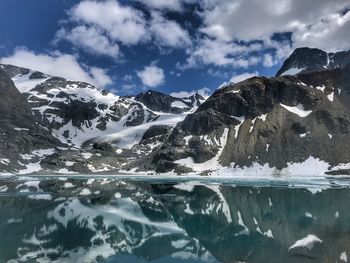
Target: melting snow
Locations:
point(331, 96)
point(4, 161)
point(21, 129)
point(298, 110)
point(303, 135)
point(211, 164)
point(30, 168)
point(87, 155)
point(252, 127)
point(85, 191)
point(292, 71)
point(178, 104)
point(268, 233)
point(321, 88)
point(24, 84)
point(68, 185)
point(237, 127)
point(263, 117)
point(343, 257)
point(188, 210)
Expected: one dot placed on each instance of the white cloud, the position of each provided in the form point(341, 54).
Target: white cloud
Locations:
point(121, 23)
point(313, 23)
point(269, 61)
point(171, 5)
point(168, 33)
point(204, 92)
point(174, 5)
point(58, 64)
point(99, 26)
point(151, 76)
point(243, 76)
point(221, 53)
point(100, 76)
point(330, 33)
point(89, 38)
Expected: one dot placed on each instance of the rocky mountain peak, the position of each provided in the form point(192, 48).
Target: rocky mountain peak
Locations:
point(158, 101)
point(312, 59)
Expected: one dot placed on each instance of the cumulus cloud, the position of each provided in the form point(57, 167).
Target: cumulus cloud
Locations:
point(168, 33)
point(122, 23)
point(89, 38)
point(101, 26)
point(221, 53)
point(169, 5)
point(269, 61)
point(58, 64)
point(204, 92)
point(314, 23)
point(329, 33)
point(243, 76)
point(151, 76)
point(174, 5)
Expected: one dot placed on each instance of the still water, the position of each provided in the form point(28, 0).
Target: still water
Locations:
point(150, 219)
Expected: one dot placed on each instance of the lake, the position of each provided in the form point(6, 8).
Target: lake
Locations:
point(174, 219)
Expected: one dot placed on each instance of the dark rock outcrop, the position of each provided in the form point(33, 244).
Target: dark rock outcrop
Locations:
point(157, 101)
point(19, 131)
point(312, 59)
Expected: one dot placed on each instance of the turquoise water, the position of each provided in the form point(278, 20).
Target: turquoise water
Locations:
point(174, 219)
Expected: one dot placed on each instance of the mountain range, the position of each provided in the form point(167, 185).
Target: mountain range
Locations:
point(297, 123)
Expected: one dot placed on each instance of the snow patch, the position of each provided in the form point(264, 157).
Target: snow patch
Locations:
point(238, 126)
point(178, 104)
point(321, 88)
point(85, 192)
point(292, 71)
point(298, 110)
point(331, 97)
point(343, 257)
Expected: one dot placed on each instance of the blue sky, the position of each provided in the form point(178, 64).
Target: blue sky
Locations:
point(166, 45)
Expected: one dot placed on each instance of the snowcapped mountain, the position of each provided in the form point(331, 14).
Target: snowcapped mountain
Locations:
point(312, 59)
point(79, 114)
point(288, 125)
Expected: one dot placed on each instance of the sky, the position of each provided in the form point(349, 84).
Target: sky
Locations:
point(177, 47)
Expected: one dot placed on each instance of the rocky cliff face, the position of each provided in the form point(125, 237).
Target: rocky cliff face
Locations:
point(280, 126)
point(20, 133)
point(312, 59)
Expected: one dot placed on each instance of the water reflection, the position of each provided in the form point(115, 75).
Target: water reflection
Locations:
point(112, 220)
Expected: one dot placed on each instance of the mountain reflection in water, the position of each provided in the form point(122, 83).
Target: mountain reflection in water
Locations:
point(141, 220)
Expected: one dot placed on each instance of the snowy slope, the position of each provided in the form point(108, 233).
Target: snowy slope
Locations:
point(96, 115)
